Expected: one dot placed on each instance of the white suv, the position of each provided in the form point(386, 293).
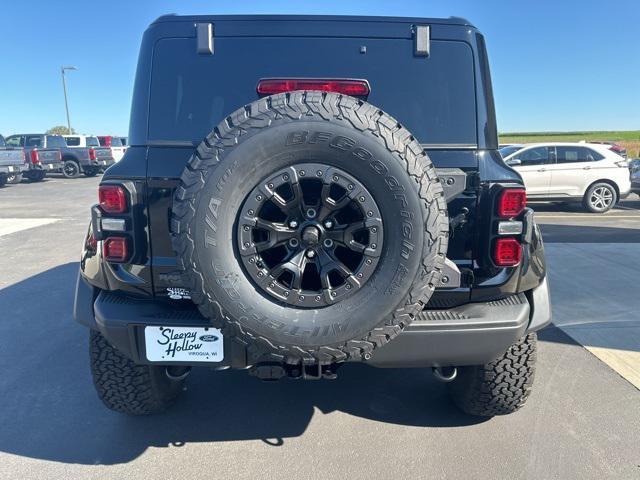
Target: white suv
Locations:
point(565, 172)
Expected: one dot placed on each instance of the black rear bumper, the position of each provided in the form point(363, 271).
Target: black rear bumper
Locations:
point(471, 334)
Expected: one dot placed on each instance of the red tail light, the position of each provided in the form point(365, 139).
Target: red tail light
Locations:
point(35, 157)
point(355, 88)
point(24, 157)
point(115, 249)
point(512, 202)
point(507, 252)
point(92, 154)
point(113, 198)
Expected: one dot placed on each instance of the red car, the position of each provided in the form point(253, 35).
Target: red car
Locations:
point(614, 147)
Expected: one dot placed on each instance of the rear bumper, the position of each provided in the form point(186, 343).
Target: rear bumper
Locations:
point(13, 169)
point(46, 167)
point(471, 334)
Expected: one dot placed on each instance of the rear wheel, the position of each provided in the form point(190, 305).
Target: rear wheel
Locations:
point(14, 179)
point(126, 387)
point(36, 175)
point(600, 198)
point(70, 169)
point(91, 171)
point(499, 387)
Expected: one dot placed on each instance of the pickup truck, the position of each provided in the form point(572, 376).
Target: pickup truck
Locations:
point(43, 153)
point(12, 164)
point(115, 144)
point(85, 147)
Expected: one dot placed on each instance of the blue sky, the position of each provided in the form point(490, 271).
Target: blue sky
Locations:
point(556, 65)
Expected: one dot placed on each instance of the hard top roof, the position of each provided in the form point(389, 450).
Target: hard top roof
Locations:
point(301, 18)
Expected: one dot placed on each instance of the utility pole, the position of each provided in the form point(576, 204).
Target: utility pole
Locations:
point(64, 87)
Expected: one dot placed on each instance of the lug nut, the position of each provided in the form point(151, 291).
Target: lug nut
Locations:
point(311, 253)
point(328, 224)
point(293, 224)
point(293, 242)
point(311, 213)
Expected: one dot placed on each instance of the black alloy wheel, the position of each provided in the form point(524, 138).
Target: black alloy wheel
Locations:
point(310, 235)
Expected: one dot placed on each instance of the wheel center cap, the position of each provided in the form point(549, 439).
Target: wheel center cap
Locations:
point(311, 236)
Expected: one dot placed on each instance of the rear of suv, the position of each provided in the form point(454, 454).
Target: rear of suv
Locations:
point(287, 211)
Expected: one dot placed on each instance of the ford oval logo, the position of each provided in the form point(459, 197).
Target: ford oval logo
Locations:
point(208, 338)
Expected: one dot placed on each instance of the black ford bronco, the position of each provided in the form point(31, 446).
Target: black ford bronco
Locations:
point(302, 192)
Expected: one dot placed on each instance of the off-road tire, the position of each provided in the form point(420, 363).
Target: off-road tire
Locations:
point(14, 179)
point(586, 201)
point(379, 131)
point(499, 387)
point(126, 387)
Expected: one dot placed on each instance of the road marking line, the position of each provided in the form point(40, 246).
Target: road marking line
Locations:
point(13, 225)
point(623, 356)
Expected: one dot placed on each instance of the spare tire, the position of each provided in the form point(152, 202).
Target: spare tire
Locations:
point(312, 228)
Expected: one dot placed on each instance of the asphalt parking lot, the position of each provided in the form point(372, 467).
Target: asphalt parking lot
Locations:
point(582, 420)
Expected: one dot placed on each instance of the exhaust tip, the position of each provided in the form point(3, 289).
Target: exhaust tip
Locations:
point(445, 374)
point(177, 373)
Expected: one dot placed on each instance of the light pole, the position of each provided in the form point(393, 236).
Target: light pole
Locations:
point(64, 87)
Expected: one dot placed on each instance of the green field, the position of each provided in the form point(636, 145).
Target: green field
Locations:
point(629, 139)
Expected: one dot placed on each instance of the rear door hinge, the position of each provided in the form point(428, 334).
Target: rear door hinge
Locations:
point(421, 40)
point(204, 34)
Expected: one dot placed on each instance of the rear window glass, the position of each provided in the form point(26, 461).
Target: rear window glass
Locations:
point(56, 141)
point(115, 142)
point(73, 141)
point(33, 141)
point(433, 97)
point(92, 142)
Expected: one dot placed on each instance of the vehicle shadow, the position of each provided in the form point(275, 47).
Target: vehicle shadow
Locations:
point(553, 233)
point(49, 410)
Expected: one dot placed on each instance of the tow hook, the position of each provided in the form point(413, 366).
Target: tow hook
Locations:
point(445, 374)
point(177, 373)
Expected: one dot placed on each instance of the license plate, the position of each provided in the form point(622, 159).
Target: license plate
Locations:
point(183, 344)
point(51, 166)
point(12, 169)
point(102, 162)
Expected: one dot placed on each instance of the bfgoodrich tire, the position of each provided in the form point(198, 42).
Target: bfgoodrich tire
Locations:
point(499, 387)
point(383, 175)
point(126, 387)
